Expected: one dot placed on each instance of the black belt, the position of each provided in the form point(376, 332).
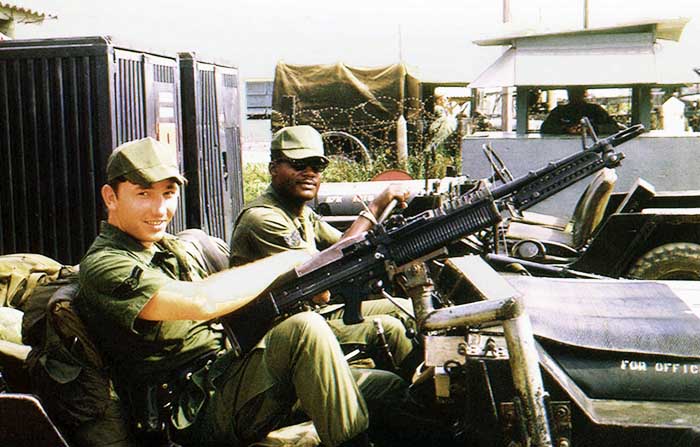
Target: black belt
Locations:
point(151, 404)
point(203, 362)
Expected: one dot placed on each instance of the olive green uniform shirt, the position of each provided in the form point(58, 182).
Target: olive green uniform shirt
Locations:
point(118, 276)
point(266, 227)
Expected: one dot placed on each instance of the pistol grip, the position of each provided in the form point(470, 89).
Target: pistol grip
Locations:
point(353, 307)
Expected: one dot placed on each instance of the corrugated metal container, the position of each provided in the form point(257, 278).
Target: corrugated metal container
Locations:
point(64, 105)
point(211, 122)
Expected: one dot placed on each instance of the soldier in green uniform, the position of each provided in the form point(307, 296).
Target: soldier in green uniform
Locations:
point(279, 220)
point(566, 118)
point(147, 299)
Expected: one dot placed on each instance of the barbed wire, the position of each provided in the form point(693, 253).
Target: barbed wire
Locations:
point(374, 122)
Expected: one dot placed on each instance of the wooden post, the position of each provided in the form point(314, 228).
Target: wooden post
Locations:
point(521, 108)
point(506, 96)
point(289, 108)
point(641, 105)
point(506, 100)
point(401, 142)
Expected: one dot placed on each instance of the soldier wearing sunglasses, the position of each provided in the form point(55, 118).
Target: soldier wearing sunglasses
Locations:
point(280, 220)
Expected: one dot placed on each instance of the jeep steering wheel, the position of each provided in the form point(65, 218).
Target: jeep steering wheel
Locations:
point(500, 171)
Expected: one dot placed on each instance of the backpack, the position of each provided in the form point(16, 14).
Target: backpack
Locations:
point(21, 273)
point(67, 370)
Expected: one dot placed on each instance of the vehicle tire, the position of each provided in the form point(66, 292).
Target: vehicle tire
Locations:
point(679, 260)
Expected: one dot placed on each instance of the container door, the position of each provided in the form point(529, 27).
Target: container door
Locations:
point(146, 104)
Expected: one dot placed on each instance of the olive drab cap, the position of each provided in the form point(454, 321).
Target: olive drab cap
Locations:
point(298, 142)
point(144, 162)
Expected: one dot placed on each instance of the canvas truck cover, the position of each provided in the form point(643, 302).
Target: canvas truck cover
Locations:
point(339, 97)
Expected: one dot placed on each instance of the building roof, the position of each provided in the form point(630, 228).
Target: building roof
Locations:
point(24, 13)
point(668, 29)
point(611, 56)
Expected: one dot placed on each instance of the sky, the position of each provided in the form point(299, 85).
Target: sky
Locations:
point(433, 37)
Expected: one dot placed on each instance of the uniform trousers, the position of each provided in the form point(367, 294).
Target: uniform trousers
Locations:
point(301, 359)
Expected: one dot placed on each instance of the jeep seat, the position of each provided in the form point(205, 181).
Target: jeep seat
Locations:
point(586, 218)
point(618, 339)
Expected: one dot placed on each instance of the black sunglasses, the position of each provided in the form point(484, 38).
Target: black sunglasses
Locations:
point(316, 164)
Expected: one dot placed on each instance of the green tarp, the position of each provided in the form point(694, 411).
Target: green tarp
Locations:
point(333, 96)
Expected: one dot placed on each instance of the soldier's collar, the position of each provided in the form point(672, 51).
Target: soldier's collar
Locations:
point(127, 242)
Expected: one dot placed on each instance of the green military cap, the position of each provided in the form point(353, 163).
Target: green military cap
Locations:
point(144, 162)
point(298, 142)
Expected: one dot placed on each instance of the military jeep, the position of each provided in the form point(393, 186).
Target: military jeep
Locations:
point(641, 233)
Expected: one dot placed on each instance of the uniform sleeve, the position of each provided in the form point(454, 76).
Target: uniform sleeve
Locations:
point(117, 287)
point(326, 234)
point(262, 232)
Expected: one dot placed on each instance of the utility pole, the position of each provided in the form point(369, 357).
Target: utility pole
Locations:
point(506, 96)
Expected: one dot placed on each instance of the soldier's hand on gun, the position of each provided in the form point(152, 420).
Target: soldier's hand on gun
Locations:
point(393, 191)
point(573, 129)
point(322, 298)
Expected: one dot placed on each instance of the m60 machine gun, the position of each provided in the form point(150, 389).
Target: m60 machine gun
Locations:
point(357, 266)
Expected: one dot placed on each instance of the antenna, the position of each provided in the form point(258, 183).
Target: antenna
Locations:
point(400, 45)
point(506, 11)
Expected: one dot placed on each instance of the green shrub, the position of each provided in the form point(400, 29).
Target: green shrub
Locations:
point(255, 180)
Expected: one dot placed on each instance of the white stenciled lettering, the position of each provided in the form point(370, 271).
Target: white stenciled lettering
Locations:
point(363, 198)
point(660, 367)
point(677, 368)
point(333, 199)
point(633, 365)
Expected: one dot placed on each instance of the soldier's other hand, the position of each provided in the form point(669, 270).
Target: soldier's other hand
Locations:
point(322, 298)
point(573, 130)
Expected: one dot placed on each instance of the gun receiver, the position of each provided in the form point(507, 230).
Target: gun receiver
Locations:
point(357, 266)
